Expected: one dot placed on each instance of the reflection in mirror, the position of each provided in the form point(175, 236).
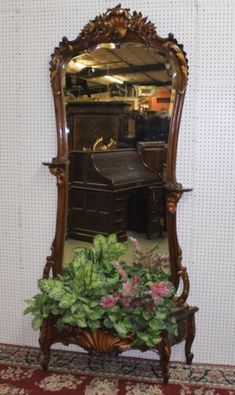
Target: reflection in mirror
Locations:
point(119, 102)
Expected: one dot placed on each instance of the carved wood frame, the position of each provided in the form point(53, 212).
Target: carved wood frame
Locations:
point(118, 25)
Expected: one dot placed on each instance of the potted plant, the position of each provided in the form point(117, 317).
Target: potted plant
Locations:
point(99, 290)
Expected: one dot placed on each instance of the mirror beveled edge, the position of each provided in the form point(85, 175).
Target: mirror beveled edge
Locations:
point(118, 25)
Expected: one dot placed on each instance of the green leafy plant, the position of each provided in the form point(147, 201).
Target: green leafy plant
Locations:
point(96, 290)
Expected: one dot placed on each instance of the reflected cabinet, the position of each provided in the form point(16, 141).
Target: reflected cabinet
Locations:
point(118, 90)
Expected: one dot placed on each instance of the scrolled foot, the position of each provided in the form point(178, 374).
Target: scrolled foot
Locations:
point(44, 363)
point(189, 358)
point(189, 340)
point(165, 353)
point(166, 379)
point(46, 356)
point(45, 348)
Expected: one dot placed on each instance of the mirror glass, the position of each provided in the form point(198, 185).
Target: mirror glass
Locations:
point(118, 102)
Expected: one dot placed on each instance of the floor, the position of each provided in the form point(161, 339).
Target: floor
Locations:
point(80, 373)
point(145, 244)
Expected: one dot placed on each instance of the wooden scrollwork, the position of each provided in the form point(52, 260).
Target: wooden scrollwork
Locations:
point(180, 55)
point(54, 261)
point(50, 265)
point(173, 196)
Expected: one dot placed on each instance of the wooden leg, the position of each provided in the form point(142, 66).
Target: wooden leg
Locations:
point(45, 342)
point(45, 347)
point(189, 339)
point(165, 353)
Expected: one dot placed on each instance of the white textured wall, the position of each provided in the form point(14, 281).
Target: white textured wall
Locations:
point(29, 32)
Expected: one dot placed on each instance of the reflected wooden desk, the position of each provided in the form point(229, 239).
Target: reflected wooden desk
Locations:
point(110, 192)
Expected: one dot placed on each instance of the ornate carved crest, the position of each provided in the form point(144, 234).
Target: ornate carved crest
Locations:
point(116, 22)
point(113, 26)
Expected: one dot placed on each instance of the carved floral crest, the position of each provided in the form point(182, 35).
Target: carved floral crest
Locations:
point(116, 22)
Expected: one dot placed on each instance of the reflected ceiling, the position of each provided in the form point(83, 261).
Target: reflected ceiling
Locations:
point(129, 64)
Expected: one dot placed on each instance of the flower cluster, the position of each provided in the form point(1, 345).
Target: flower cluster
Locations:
point(133, 293)
point(150, 259)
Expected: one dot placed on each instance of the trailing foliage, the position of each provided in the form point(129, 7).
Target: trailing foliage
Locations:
point(97, 291)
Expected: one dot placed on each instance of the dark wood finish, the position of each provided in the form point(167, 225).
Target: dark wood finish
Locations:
point(104, 200)
point(87, 122)
point(54, 262)
point(117, 25)
point(154, 155)
point(190, 338)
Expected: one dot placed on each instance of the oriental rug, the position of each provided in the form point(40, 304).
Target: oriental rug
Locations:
point(73, 373)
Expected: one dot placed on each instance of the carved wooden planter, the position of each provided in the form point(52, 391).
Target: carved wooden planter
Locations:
point(103, 341)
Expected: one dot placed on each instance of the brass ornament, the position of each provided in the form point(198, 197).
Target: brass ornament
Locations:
point(100, 146)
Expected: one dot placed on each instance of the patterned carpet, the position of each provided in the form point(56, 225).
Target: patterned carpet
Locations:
point(81, 374)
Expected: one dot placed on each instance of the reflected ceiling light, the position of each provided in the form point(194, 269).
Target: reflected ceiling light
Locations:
point(113, 79)
point(78, 65)
point(106, 45)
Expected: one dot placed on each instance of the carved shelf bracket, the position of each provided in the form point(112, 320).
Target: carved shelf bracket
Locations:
point(58, 169)
point(172, 199)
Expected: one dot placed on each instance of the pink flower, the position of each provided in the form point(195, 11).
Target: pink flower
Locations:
point(135, 280)
point(120, 270)
point(161, 289)
point(126, 302)
point(135, 243)
point(129, 288)
point(109, 300)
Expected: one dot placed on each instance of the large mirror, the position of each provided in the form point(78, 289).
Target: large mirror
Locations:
point(118, 91)
point(119, 100)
